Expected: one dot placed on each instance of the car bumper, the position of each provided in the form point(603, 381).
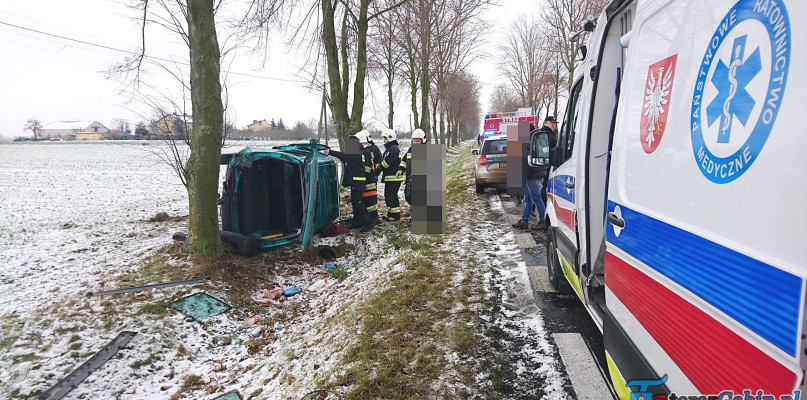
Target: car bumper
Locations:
point(493, 175)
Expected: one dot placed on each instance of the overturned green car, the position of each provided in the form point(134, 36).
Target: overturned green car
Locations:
point(276, 196)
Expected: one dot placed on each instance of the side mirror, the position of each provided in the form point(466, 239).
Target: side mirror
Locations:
point(475, 152)
point(224, 159)
point(539, 149)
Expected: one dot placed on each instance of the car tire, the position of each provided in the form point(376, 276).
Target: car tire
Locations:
point(553, 266)
point(480, 189)
point(243, 245)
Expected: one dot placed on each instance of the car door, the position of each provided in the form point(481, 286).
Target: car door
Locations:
point(561, 193)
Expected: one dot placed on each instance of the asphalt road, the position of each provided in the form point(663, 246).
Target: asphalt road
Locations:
point(565, 317)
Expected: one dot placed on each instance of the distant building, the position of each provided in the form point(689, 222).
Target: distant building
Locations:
point(259, 126)
point(172, 124)
point(75, 130)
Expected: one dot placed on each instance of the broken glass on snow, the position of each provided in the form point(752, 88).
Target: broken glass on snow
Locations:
point(200, 306)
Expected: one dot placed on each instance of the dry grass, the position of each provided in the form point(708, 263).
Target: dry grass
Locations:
point(406, 328)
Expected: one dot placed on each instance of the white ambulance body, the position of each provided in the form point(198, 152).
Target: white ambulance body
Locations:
point(695, 183)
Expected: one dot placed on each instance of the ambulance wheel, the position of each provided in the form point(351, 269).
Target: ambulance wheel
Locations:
point(480, 189)
point(553, 265)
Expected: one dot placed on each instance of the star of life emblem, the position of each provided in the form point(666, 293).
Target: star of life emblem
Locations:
point(656, 104)
point(740, 88)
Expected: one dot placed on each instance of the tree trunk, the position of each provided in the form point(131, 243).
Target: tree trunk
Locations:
point(361, 67)
point(413, 86)
point(557, 89)
point(443, 138)
point(208, 112)
point(425, 53)
point(339, 79)
point(338, 97)
point(433, 120)
point(390, 98)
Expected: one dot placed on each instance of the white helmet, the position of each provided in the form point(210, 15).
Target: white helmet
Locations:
point(388, 134)
point(419, 134)
point(363, 135)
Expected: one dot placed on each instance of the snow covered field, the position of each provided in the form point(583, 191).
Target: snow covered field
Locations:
point(71, 213)
point(74, 216)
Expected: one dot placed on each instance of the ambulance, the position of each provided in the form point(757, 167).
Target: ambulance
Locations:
point(677, 201)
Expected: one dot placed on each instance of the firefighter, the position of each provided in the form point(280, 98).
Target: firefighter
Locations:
point(370, 193)
point(392, 174)
point(376, 154)
point(418, 137)
point(355, 176)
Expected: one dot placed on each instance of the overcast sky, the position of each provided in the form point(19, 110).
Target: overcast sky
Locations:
point(53, 79)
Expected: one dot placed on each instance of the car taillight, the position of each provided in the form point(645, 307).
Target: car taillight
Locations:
point(482, 160)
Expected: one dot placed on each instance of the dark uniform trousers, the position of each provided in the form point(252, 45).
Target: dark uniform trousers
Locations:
point(391, 198)
point(361, 217)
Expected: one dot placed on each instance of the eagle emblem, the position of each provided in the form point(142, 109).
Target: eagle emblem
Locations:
point(656, 104)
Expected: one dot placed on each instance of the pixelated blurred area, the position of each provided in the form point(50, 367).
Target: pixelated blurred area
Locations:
point(428, 188)
point(518, 142)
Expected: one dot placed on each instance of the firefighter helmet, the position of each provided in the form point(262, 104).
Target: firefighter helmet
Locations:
point(418, 134)
point(388, 134)
point(364, 136)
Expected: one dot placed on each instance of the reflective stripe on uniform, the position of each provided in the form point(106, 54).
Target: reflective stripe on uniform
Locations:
point(403, 164)
point(384, 164)
point(359, 178)
point(393, 179)
point(369, 193)
point(367, 169)
point(395, 210)
point(372, 208)
point(370, 186)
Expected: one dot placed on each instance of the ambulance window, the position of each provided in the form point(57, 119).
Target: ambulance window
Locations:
point(568, 129)
point(626, 25)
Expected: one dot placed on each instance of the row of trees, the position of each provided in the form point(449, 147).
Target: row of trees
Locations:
point(538, 57)
point(420, 47)
point(423, 46)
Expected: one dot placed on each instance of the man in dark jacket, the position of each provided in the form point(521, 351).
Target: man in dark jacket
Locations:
point(534, 184)
point(392, 174)
point(418, 137)
point(370, 194)
point(354, 176)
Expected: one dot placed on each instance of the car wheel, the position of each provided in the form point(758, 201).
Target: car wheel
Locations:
point(553, 266)
point(243, 245)
point(480, 188)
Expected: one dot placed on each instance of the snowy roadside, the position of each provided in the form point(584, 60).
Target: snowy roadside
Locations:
point(472, 325)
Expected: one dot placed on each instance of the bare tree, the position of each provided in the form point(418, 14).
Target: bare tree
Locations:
point(561, 19)
point(524, 60)
point(458, 34)
point(336, 31)
point(461, 106)
point(34, 126)
point(385, 55)
point(208, 112)
point(438, 38)
point(504, 98)
point(194, 152)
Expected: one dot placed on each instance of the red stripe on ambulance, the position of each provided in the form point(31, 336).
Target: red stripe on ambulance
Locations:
point(564, 215)
point(713, 357)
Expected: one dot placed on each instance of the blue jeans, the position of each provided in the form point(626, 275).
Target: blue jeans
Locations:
point(532, 196)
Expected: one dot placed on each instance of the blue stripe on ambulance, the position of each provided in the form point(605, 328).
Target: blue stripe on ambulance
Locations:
point(761, 297)
point(557, 186)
